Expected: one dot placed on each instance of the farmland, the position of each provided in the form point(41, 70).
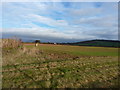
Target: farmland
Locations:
point(60, 66)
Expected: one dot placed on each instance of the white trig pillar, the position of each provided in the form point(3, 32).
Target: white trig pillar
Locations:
point(36, 44)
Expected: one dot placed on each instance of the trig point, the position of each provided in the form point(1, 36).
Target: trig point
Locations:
point(37, 42)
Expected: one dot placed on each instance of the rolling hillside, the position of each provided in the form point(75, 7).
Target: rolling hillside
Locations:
point(101, 43)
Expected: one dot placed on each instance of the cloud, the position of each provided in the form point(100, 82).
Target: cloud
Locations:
point(38, 32)
point(46, 20)
point(53, 35)
point(99, 22)
point(85, 12)
point(58, 21)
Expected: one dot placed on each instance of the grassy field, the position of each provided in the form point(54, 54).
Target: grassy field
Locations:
point(60, 66)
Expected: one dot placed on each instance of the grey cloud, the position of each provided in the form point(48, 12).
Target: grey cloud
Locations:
point(85, 12)
point(68, 36)
point(99, 22)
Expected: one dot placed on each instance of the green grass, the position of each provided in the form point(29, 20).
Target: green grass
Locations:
point(56, 66)
point(80, 50)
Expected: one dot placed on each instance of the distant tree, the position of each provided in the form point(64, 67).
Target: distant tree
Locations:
point(37, 41)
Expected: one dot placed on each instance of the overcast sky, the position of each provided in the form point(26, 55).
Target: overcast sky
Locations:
point(60, 21)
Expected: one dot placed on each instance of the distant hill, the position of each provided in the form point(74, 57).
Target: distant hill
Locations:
point(100, 43)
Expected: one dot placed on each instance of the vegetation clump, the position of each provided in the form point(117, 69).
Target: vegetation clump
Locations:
point(10, 46)
point(11, 43)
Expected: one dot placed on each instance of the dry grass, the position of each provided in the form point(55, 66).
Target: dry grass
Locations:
point(11, 43)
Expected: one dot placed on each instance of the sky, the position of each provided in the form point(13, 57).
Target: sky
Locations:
point(60, 21)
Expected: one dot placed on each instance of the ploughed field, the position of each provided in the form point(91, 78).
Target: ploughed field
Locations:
point(60, 66)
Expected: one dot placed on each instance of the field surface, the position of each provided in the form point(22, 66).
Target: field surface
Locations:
point(60, 66)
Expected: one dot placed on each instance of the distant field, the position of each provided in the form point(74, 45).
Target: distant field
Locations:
point(78, 50)
point(60, 66)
